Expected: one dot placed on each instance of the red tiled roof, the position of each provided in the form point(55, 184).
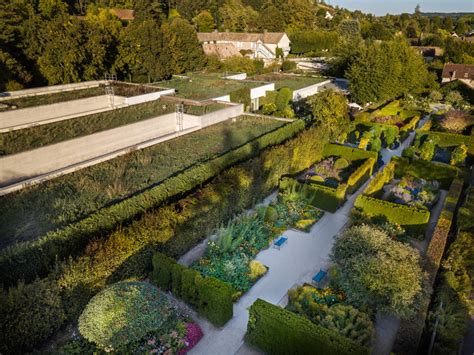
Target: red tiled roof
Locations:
point(124, 14)
point(458, 71)
point(265, 37)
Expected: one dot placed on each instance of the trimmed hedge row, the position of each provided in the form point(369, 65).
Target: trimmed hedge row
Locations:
point(410, 218)
point(374, 188)
point(126, 253)
point(427, 170)
point(275, 330)
point(410, 331)
point(209, 296)
point(446, 139)
point(348, 152)
point(323, 197)
point(30, 259)
point(409, 126)
point(360, 175)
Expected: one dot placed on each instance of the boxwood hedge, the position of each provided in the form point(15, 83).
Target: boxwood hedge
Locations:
point(210, 296)
point(275, 330)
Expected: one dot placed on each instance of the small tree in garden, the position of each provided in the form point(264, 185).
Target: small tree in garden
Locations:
point(454, 98)
point(283, 98)
point(435, 96)
point(330, 109)
point(459, 154)
point(376, 271)
point(123, 313)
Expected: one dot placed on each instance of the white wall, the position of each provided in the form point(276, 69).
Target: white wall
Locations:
point(308, 90)
point(240, 76)
point(219, 115)
point(49, 89)
point(33, 116)
point(261, 90)
point(135, 100)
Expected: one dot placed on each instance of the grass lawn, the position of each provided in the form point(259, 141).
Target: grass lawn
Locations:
point(34, 137)
point(120, 89)
point(205, 86)
point(32, 212)
point(293, 82)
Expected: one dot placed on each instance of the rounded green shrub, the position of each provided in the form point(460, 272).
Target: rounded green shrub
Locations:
point(271, 215)
point(317, 178)
point(341, 163)
point(123, 313)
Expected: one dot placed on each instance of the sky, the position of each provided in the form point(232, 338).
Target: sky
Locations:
point(382, 7)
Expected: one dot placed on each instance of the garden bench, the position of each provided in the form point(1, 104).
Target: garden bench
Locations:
point(319, 276)
point(280, 242)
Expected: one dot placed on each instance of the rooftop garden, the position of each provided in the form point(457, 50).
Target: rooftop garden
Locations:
point(205, 86)
point(120, 89)
point(293, 82)
point(38, 136)
point(32, 212)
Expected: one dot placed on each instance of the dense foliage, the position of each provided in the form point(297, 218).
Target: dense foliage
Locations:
point(123, 313)
point(275, 330)
point(374, 270)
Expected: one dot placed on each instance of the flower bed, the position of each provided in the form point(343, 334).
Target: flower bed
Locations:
point(327, 308)
point(415, 192)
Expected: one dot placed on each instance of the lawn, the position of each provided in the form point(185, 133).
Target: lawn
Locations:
point(205, 86)
point(32, 212)
point(120, 89)
point(293, 82)
point(34, 137)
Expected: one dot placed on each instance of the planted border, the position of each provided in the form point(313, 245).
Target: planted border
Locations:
point(410, 331)
point(278, 331)
point(30, 259)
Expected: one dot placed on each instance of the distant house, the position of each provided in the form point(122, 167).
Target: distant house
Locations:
point(461, 72)
point(255, 45)
point(429, 52)
point(124, 14)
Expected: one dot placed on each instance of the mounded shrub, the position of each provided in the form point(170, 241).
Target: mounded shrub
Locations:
point(341, 163)
point(275, 330)
point(123, 313)
point(348, 152)
point(374, 188)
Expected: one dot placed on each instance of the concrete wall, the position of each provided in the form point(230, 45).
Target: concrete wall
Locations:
point(308, 90)
point(21, 166)
point(219, 115)
point(44, 90)
point(135, 100)
point(225, 98)
point(33, 116)
point(240, 76)
point(261, 90)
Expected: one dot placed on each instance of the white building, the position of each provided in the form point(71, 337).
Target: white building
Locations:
point(255, 45)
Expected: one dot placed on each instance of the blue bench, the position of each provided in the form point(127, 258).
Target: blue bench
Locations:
point(319, 276)
point(279, 242)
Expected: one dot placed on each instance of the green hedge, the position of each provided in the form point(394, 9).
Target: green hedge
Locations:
point(360, 175)
point(427, 170)
point(275, 330)
point(410, 331)
point(445, 139)
point(323, 197)
point(410, 218)
point(409, 126)
point(211, 297)
point(374, 188)
point(126, 253)
point(30, 259)
point(348, 152)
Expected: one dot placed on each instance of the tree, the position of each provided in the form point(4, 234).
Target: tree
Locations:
point(330, 109)
point(156, 10)
point(376, 271)
point(271, 19)
point(204, 22)
point(299, 14)
point(349, 28)
point(235, 16)
point(183, 47)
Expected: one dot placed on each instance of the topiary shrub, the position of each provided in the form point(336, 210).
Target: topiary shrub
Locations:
point(123, 313)
point(271, 215)
point(459, 155)
point(341, 163)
